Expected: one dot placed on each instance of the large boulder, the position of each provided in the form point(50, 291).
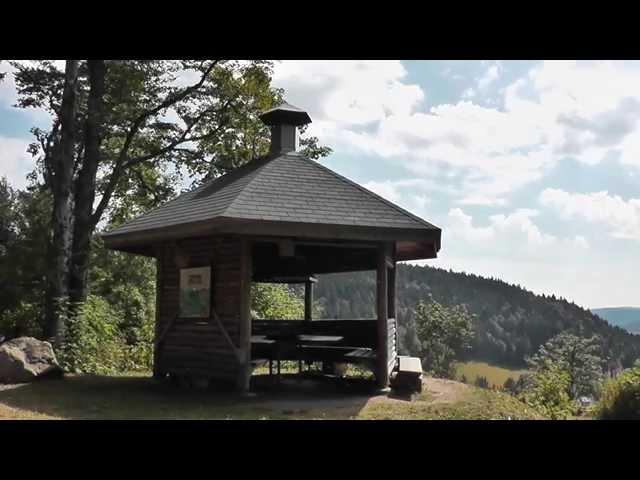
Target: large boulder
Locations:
point(25, 359)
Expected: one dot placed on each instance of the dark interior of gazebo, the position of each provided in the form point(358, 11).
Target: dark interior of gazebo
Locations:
point(309, 340)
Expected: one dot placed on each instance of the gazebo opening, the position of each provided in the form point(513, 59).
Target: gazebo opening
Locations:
point(307, 340)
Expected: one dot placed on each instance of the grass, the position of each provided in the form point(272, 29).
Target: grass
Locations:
point(496, 375)
point(477, 404)
point(139, 397)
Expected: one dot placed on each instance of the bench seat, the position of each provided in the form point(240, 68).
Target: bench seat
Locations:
point(336, 354)
point(408, 376)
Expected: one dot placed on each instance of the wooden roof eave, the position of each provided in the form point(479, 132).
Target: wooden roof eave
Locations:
point(142, 241)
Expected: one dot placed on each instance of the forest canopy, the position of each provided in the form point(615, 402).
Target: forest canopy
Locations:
point(511, 323)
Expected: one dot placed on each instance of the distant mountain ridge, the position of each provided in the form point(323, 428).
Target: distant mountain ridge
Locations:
point(623, 317)
point(511, 322)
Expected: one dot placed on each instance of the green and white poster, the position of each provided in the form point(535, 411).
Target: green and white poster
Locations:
point(195, 292)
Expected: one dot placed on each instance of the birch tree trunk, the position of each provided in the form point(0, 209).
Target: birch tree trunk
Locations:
point(61, 165)
point(85, 184)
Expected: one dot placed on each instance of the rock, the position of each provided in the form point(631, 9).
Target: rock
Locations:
point(25, 359)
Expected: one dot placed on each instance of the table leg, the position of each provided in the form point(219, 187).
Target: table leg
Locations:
point(278, 366)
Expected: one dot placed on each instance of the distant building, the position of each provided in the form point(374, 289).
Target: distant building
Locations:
point(585, 401)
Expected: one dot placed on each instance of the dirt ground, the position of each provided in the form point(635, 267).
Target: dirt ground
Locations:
point(445, 391)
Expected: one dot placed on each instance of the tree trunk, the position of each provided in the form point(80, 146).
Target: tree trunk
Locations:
point(85, 185)
point(62, 164)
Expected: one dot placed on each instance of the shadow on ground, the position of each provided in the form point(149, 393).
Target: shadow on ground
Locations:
point(138, 397)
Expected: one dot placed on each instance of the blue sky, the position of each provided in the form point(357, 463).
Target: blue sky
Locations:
point(532, 169)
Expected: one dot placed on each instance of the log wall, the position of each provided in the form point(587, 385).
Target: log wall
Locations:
point(199, 347)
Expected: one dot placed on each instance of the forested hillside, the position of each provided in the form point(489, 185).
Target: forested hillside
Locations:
point(511, 322)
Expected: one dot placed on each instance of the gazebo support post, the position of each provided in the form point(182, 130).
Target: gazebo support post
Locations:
point(244, 374)
point(308, 300)
point(382, 375)
point(157, 373)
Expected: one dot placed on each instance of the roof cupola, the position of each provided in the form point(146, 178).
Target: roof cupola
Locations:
point(284, 121)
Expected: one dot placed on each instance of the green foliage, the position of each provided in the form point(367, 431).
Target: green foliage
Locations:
point(511, 322)
point(94, 341)
point(162, 118)
point(547, 392)
point(620, 398)
point(159, 119)
point(22, 320)
point(128, 284)
point(578, 357)
point(123, 288)
point(564, 368)
point(275, 301)
point(24, 234)
point(91, 340)
point(444, 333)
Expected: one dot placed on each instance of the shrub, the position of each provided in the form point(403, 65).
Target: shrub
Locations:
point(509, 385)
point(445, 333)
point(547, 391)
point(139, 352)
point(579, 357)
point(621, 397)
point(22, 321)
point(93, 342)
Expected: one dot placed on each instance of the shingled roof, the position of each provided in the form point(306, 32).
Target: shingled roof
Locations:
point(280, 191)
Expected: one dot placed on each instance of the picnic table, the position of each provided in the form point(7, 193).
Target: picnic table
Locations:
point(319, 338)
point(281, 341)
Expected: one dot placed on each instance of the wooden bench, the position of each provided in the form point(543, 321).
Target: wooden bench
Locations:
point(408, 375)
point(362, 354)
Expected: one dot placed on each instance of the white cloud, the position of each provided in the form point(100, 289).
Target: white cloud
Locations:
point(479, 152)
point(620, 217)
point(489, 76)
point(469, 93)
point(386, 189)
point(15, 162)
point(584, 109)
point(406, 193)
point(513, 236)
point(492, 154)
point(348, 93)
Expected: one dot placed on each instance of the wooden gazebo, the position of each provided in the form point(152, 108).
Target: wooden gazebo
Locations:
point(279, 218)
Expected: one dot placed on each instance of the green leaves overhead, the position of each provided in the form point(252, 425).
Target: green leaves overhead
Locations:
point(161, 120)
